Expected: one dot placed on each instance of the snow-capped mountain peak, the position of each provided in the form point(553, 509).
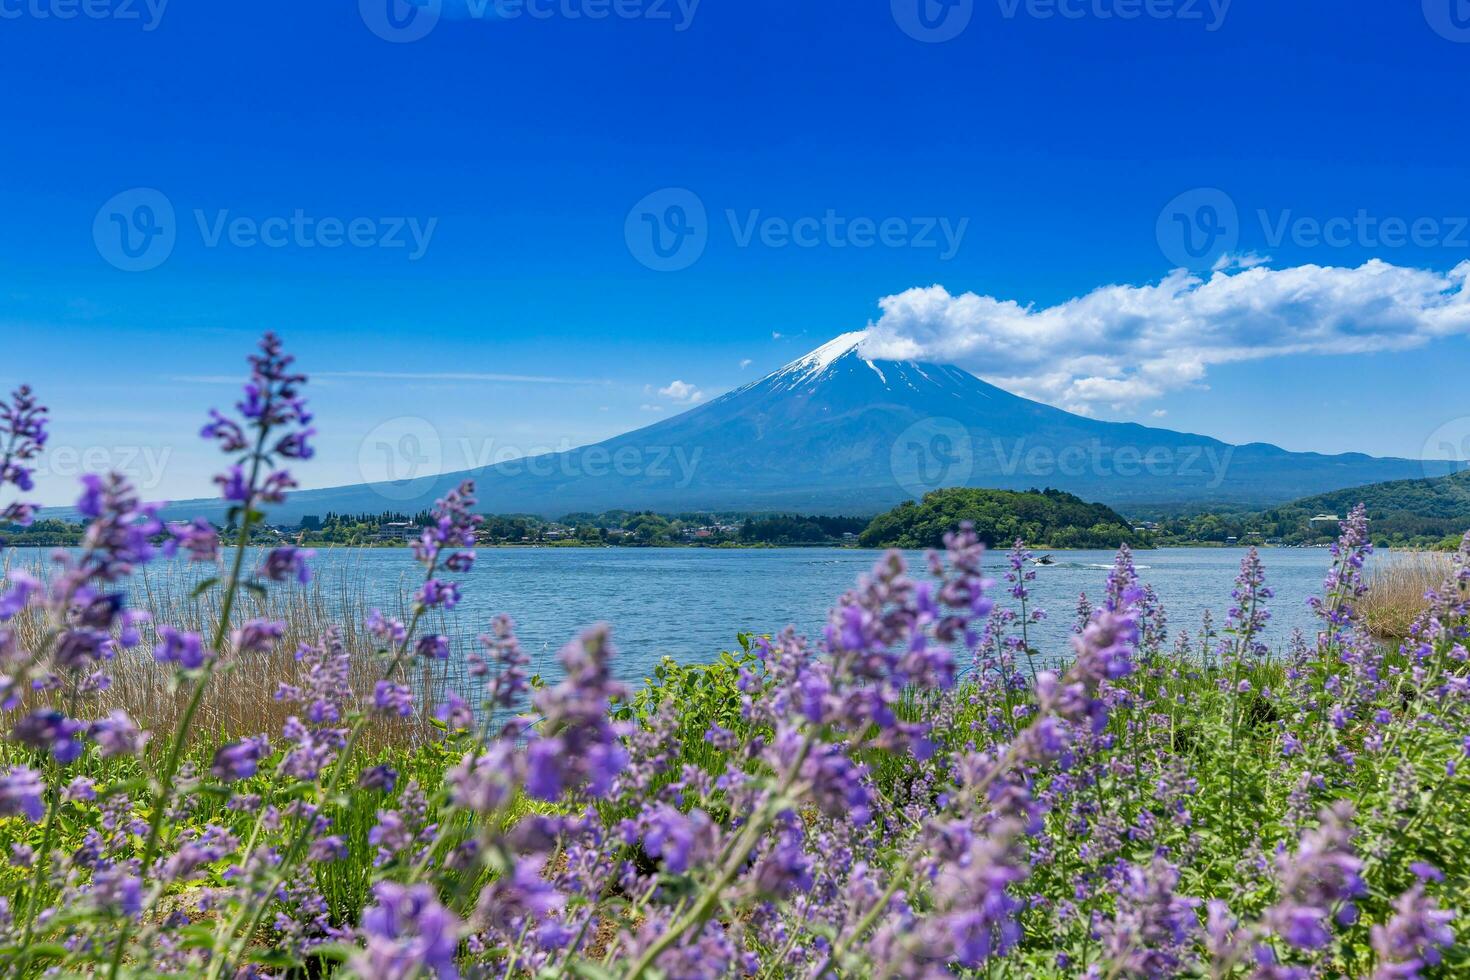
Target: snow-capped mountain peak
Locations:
point(810, 366)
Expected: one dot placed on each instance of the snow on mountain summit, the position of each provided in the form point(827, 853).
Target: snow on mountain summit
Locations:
point(811, 365)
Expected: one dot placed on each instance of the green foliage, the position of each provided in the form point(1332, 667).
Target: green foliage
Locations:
point(1041, 518)
point(1429, 513)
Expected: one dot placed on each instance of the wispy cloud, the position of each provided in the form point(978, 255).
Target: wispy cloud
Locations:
point(458, 376)
point(1121, 345)
point(446, 376)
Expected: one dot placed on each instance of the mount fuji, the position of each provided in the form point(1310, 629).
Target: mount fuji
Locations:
point(838, 432)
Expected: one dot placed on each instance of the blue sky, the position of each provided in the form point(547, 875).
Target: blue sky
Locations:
point(1051, 137)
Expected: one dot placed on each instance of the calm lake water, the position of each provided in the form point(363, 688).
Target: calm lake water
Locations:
point(689, 603)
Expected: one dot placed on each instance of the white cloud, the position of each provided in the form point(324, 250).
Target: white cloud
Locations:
point(745, 362)
point(1159, 413)
point(682, 392)
point(651, 408)
point(776, 335)
point(1120, 345)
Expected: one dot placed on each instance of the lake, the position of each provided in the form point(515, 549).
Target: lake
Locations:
point(689, 603)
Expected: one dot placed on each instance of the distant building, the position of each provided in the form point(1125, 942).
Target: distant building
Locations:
point(398, 531)
point(1325, 519)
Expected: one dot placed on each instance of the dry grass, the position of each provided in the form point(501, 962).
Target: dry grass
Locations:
point(241, 698)
point(1395, 596)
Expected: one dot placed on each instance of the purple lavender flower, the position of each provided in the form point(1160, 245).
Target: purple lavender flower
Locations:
point(198, 539)
point(1321, 875)
point(407, 932)
point(21, 791)
point(389, 632)
point(393, 699)
point(380, 778)
point(455, 712)
point(679, 840)
point(175, 647)
point(436, 593)
point(117, 735)
point(1150, 933)
point(22, 589)
point(22, 437)
point(578, 743)
point(257, 636)
point(239, 760)
point(510, 684)
point(1414, 938)
point(520, 897)
point(287, 562)
point(50, 731)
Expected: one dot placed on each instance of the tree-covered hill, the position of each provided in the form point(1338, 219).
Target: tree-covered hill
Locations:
point(1439, 505)
point(1044, 518)
point(1417, 513)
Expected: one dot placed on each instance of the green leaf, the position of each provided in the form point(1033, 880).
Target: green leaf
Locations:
point(203, 587)
point(272, 957)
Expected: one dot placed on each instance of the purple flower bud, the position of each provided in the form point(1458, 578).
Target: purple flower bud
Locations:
point(185, 649)
point(21, 790)
point(380, 778)
point(239, 760)
point(50, 731)
point(117, 735)
point(287, 562)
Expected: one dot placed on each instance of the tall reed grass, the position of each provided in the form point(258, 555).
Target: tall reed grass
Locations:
point(1397, 589)
point(244, 702)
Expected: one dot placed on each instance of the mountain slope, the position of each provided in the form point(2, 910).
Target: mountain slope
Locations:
point(1439, 506)
point(835, 431)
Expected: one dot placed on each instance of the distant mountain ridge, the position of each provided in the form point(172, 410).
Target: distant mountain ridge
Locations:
point(837, 432)
point(1440, 506)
